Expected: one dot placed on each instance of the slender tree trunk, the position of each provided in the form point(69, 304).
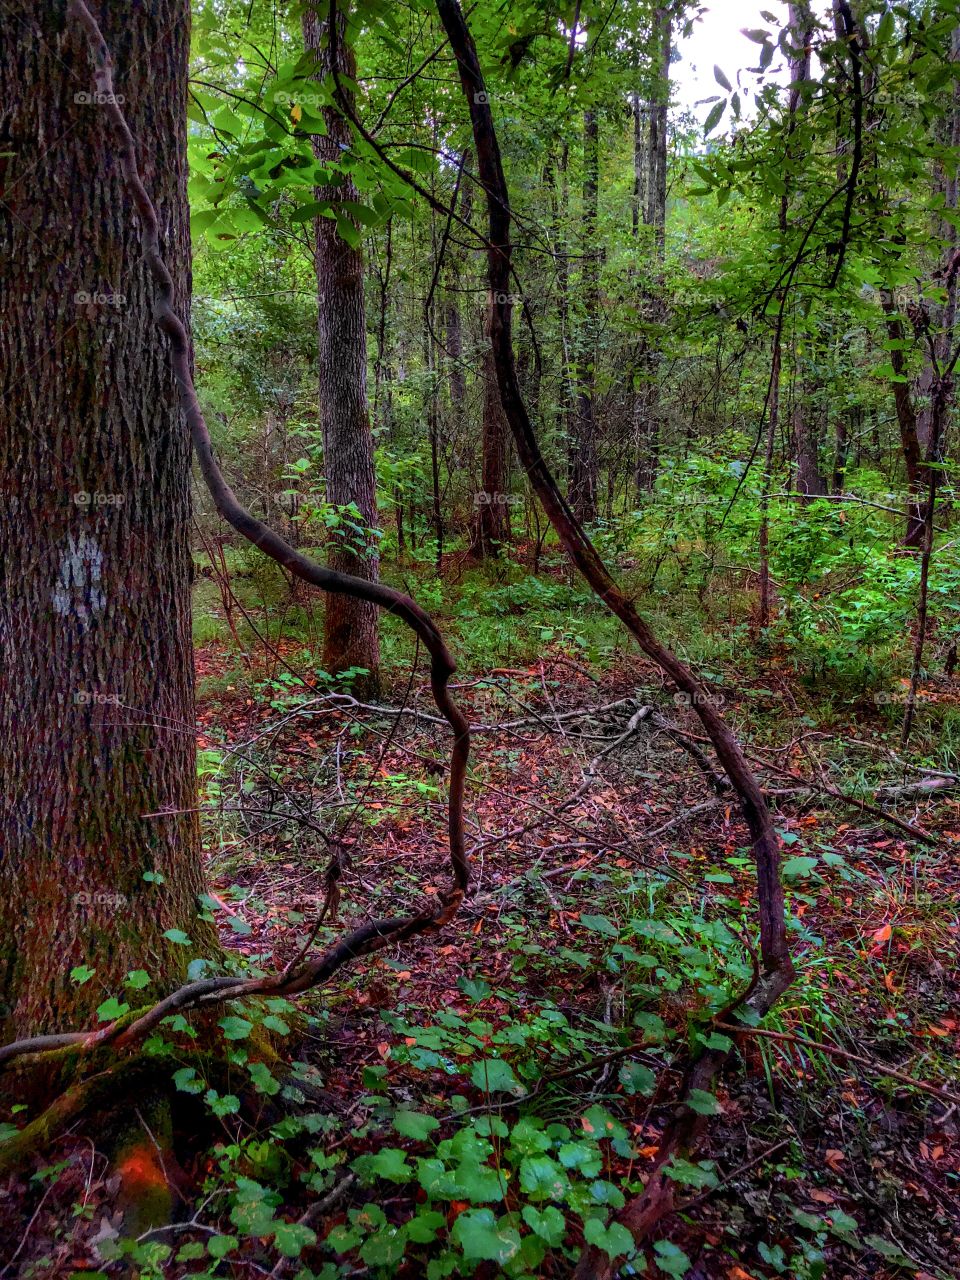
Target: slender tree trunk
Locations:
point(646, 407)
point(583, 463)
point(841, 451)
point(558, 216)
point(641, 114)
point(906, 421)
point(455, 264)
point(943, 316)
point(657, 152)
point(940, 395)
point(491, 522)
point(766, 484)
point(351, 636)
point(96, 661)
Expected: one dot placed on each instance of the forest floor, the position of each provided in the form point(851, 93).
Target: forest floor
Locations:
point(610, 916)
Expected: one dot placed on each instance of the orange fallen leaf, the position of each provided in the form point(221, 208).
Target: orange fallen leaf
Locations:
point(821, 1197)
point(834, 1158)
point(884, 934)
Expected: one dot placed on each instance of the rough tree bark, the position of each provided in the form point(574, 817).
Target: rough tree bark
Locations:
point(96, 662)
point(810, 481)
point(351, 636)
point(306, 970)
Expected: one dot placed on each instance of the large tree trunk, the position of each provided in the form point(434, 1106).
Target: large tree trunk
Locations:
point(583, 457)
point(351, 637)
point(96, 662)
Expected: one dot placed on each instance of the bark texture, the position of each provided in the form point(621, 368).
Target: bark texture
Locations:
point(96, 662)
point(351, 636)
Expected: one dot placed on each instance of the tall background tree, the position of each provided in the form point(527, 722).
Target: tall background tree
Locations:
point(351, 636)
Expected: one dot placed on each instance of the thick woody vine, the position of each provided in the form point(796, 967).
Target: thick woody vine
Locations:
point(776, 970)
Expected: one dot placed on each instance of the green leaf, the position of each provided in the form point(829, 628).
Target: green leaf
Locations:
point(291, 1238)
point(705, 1104)
point(220, 1246)
point(483, 1238)
point(187, 1081)
point(671, 1260)
point(713, 119)
point(474, 988)
point(227, 1104)
point(722, 80)
point(385, 1248)
point(716, 1041)
point(477, 1182)
point(235, 1028)
point(425, 1227)
point(636, 1078)
point(493, 1075)
point(391, 1163)
point(542, 1178)
point(262, 1078)
point(137, 979)
point(112, 1009)
point(614, 1240)
point(888, 1251)
point(82, 973)
point(691, 1175)
point(192, 1252)
point(799, 868)
point(414, 1124)
point(178, 937)
point(600, 924)
point(549, 1224)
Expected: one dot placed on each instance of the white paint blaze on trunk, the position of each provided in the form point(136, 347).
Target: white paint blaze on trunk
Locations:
point(78, 593)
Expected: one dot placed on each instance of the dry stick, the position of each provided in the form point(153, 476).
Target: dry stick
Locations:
point(791, 1038)
point(641, 1214)
point(377, 934)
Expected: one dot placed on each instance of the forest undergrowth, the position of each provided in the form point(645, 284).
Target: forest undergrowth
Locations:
point(482, 1102)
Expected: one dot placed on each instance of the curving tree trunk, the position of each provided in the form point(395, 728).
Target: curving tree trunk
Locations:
point(351, 635)
point(97, 763)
